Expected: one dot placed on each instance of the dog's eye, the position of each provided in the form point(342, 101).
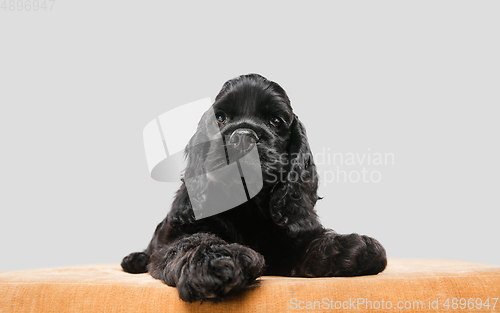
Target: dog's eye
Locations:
point(221, 117)
point(275, 121)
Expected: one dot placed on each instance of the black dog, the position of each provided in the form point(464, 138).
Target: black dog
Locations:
point(276, 232)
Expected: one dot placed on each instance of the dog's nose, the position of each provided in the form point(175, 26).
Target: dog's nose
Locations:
point(243, 139)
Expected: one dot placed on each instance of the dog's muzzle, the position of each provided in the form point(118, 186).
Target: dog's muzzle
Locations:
point(243, 139)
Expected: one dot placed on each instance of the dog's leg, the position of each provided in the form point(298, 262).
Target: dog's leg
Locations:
point(203, 266)
point(135, 263)
point(343, 255)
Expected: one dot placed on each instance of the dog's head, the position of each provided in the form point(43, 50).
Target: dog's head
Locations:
point(251, 113)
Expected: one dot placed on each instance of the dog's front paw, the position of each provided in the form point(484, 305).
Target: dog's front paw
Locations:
point(218, 271)
point(344, 255)
point(135, 263)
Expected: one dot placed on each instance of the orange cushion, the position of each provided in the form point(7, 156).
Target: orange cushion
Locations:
point(422, 285)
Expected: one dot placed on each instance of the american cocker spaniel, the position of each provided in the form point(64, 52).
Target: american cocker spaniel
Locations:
point(210, 246)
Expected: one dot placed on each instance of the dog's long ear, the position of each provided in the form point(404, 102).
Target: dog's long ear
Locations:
point(195, 154)
point(293, 199)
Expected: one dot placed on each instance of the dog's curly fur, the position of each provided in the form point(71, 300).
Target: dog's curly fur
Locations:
point(277, 232)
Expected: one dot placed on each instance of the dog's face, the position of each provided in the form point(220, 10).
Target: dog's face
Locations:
point(251, 112)
point(251, 124)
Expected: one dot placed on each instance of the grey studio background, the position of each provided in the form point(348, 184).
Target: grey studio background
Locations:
point(416, 81)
